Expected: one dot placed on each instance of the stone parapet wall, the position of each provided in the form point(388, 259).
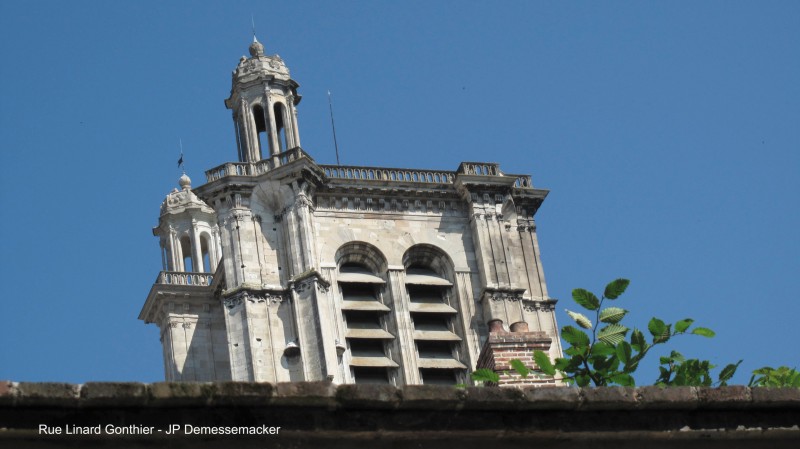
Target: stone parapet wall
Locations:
point(321, 414)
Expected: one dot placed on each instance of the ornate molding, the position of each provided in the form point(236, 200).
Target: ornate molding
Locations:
point(538, 306)
point(388, 204)
point(232, 302)
point(509, 294)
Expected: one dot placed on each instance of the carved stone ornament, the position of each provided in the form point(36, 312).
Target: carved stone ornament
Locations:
point(504, 296)
point(303, 285)
point(534, 306)
point(232, 302)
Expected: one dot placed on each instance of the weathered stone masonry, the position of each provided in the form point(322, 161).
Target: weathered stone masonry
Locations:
point(322, 414)
point(281, 269)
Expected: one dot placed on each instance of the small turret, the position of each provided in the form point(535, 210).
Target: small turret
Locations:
point(263, 99)
point(188, 230)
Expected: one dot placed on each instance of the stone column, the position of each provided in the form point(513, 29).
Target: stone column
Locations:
point(294, 124)
point(273, 129)
point(405, 327)
point(197, 254)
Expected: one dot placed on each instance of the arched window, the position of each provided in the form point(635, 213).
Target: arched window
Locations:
point(262, 129)
point(186, 253)
point(280, 127)
point(372, 350)
point(433, 315)
point(364, 315)
point(205, 254)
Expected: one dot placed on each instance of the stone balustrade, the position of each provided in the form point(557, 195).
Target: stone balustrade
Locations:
point(388, 174)
point(254, 168)
point(480, 168)
point(365, 173)
point(523, 181)
point(184, 278)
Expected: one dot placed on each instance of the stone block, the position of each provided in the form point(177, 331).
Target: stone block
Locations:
point(7, 392)
point(662, 398)
point(737, 396)
point(306, 394)
point(608, 398)
point(550, 398)
point(242, 393)
point(490, 398)
point(118, 394)
point(432, 397)
point(766, 397)
point(47, 394)
point(180, 393)
point(368, 396)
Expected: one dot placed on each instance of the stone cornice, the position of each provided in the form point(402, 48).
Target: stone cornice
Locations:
point(322, 414)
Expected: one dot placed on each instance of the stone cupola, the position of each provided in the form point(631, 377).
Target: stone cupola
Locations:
point(263, 99)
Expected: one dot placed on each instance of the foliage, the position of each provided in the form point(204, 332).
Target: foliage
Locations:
point(783, 376)
point(677, 371)
point(608, 354)
point(485, 375)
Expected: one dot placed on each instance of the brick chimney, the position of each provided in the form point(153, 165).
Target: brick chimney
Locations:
point(502, 346)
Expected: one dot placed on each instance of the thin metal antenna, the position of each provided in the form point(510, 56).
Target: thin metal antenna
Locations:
point(333, 126)
point(180, 161)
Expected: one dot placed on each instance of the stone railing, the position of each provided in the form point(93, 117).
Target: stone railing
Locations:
point(480, 168)
point(523, 181)
point(254, 168)
point(388, 174)
point(184, 278)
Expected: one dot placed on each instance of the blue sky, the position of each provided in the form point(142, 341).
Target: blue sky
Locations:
point(667, 132)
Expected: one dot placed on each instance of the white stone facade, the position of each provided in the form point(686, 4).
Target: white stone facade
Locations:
point(281, 269)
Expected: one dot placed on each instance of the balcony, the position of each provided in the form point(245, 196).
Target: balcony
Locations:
point(184, 278)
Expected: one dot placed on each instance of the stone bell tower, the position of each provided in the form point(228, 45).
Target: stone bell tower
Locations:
point(282, 269)
point(263, 100)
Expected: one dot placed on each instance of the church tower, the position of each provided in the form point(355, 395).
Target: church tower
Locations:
point(282, 269)
point(263, 100)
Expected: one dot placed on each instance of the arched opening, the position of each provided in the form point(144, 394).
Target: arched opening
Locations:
point(186, 253)
point(433, 312)
point(280, 127)
point(205, 254)
point(364, 312)
point(261, 129)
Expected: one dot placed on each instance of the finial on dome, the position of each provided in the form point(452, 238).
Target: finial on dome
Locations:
point(185, 182)
point(256, 48)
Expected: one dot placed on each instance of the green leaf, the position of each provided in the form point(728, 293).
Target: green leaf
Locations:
point(581, 319)
point(682, 325)
point(574, 336)
point(485, 375)
point(543, 362)
point(519, 367)
point(586, 299)
point(616, 288)
point(576, 350)
point(637, 340)
point(612, 315)
point(625, 380)
point(656, 327)
point(612, 334)
point(623, 350)
point(703, 331)
point(582, 380)
point(664, 336)
point(728, 372)
point(603, 349)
